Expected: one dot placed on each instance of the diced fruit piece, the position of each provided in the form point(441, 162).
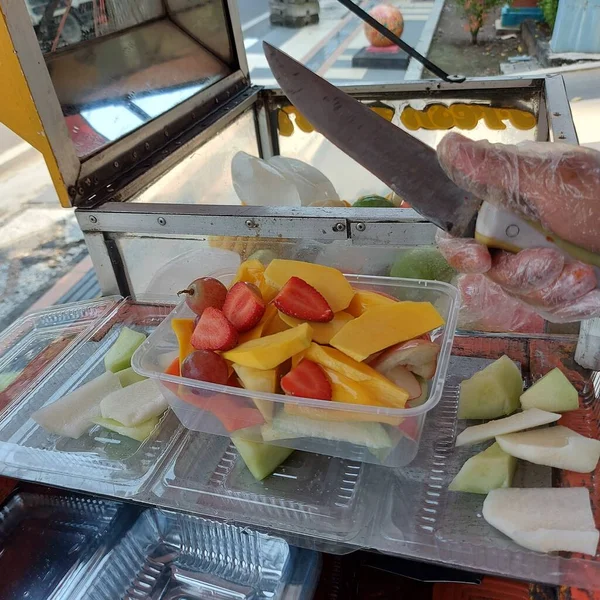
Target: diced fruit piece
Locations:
point(72, 415)
point(244, 306)
point(418, 356)
point(373, 201)
point(364, 300)
point(184, 329)
point(256, 380)
point(544, 519)
point(553, 392)
point(558, 447)
point(379, 387)
point(261, 459)
point(264, 255)
point(533, 417)
point(300, 300)
point(285, 426)
point(329, 282)
point(422, 263)
point(119, 355)
point(135, 404)
point(343, 416)
point(383, 326)
point(139, 432)
point(403, 378)
point(298, 357)
point(204, 365)
point(423, 397)
point(174, 368)
point(307, 380)
point(276, 324)
point(492, 392)
point(322, 332)
point(214, 332)
point(410, 428)
point(260, 328)
point(491, 469)
point(204, 292)
point(250, 271)
point(270, 351)
point(129, 376)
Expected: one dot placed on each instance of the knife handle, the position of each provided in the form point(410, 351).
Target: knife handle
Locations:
point(497, 228)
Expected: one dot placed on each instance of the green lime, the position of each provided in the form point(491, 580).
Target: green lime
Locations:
point(373, 201)
point(422, 263)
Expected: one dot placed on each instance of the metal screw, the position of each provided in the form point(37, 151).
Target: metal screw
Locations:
point(556, 114)
point(116, 164)
point(88, 181)
point(81, 190)
point(134, 155)
point(161, 221)
point(147, 146)
point(339, 227)
point(562, 136)
point(251, 224)
point(93, 219)
point(72, 192)
point(360, 227)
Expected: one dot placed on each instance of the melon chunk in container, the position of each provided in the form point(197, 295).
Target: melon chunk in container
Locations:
point(544, 519)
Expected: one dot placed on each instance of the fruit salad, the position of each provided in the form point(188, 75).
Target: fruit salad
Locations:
point(302, 330)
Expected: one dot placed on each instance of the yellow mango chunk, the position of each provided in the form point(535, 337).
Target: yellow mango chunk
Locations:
point(297, 358)
point(322, 332)
point(379, 387)
point(363, 301)
point(256, 380)
point(272, 350)
point(260, 328)
point(383, 326)
point(250, 271)
point(277, 324)
point(330, 282)
point(183, 328)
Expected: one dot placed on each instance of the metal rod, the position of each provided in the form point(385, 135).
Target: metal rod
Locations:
point(383, 30)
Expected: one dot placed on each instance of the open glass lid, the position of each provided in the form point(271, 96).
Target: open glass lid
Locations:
point(101, 87)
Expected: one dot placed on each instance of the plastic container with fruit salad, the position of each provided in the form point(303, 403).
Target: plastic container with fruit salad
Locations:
point(300, 356)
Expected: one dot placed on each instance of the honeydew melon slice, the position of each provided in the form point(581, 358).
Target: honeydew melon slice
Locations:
point(119, 355)
point(553, 392)
point(261, 459)
point(139, 432)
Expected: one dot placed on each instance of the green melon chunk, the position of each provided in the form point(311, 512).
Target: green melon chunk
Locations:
point(373, 201)
point(139, 432)
point(422, 263)
point(491, 469)
point(120, 353)
point(493, 392)
point(553, 392)
point(285, 427)
point(261, 459)
point(129, 377)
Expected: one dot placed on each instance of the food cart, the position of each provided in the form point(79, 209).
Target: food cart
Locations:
point(138, 125)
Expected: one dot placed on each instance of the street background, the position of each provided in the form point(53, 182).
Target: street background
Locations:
point(40, 243)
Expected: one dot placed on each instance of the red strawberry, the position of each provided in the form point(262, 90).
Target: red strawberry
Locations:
point(244, 306)
point(307, 380)
point(301, 300)
point(214, 331)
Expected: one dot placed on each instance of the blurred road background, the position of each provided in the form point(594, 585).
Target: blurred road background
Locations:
point(41, 242)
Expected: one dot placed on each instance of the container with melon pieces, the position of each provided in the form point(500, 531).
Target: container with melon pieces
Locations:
point(375, 434)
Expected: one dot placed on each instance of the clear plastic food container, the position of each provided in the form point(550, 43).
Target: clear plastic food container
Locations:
point(388, 436)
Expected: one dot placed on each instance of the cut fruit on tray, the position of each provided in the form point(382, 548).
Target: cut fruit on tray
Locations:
point(491, 469)
point(544, 519)
point(139, 432)
point(492, 392)
point(261, 459)
point(553, 392)
point(558, 447)
point(533, 417)
point(120, 353)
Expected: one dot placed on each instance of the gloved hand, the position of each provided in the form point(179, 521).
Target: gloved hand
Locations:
point(557, 185)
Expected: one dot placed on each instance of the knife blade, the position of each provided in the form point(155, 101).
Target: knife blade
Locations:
point(404, 163)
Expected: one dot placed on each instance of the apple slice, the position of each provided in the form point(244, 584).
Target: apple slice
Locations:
point(418, 356)
point(558, 447)
point(533, 417)
point(403, 378)
point(544, 519)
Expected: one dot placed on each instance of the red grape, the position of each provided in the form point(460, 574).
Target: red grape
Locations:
point(204, 292)
point(205, 365)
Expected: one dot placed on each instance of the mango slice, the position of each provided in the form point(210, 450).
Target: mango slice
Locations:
point(322, 332)
point(277, 324)
point(383, 326)
point(184, 328)
point(256, 380)
point(364, 300)
point(375, 384)
point(252, 271)
point(330, 282)
point(260, 329)
point(270, 351)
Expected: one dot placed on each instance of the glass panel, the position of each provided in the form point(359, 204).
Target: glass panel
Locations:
point(113, 86)
point(204, 177)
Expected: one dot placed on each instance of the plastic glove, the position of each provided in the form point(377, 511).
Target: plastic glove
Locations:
point(556, 184)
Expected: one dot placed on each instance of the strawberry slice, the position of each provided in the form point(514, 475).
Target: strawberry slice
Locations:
point(301, 300)
point(214, 331)
point(244, 306)
point(307, 380)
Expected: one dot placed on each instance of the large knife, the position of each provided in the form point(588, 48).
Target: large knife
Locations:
point(407, 165)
